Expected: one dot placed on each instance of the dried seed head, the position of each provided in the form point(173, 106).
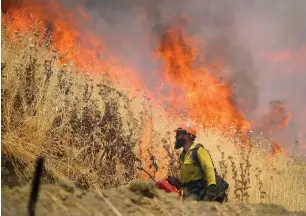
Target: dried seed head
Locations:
point(164, 140)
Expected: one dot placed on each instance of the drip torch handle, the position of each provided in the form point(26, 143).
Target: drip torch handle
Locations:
point(142, 169)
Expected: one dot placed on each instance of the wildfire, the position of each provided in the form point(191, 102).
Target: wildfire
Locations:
point(195, 87)
point(84, 48)
point(279, 116)
point(277, 149)
point(193, 81)
point(290, 66)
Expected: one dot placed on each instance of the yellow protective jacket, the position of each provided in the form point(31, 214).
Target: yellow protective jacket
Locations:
point(189, 170)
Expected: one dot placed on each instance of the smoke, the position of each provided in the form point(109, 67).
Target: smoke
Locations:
point(263, 45)
point(241, 32)
point(277, 28)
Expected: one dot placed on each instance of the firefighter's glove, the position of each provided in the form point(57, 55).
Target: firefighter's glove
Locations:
point(211, 193)
point(174, 181)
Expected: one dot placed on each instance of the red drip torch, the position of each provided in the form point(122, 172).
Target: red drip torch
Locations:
point(162, 184)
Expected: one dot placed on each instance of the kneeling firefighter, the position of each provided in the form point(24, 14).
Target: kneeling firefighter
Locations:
point(198, 177)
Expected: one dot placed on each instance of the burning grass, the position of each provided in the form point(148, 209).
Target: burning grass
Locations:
point(83, 125)
point(90, 131)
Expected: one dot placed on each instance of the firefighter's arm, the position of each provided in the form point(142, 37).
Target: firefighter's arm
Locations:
point(207, 166)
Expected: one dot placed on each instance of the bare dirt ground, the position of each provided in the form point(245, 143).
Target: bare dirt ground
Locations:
point(138, 198)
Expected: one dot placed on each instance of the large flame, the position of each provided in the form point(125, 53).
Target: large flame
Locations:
point(194, 82)
point(207, 100)
point(84, 48)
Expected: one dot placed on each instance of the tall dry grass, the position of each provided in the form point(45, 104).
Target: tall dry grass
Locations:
point(256, 176)
point(85, 126)
point(91, 132)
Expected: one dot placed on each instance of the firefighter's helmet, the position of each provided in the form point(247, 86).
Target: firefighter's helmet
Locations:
point(190, 128)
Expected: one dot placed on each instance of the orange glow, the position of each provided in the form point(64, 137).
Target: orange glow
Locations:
point(194, 82)
point(279, 115)
point(295, 59)
point(277, 57)
point(292, 63)
point(277, 149)
point(207, 100)
point(82, 48)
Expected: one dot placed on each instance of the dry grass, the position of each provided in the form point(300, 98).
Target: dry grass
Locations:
point(257, 177)
point(90, 132)
point(84, 126)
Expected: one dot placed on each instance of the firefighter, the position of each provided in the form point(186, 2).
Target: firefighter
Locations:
point(197, 180)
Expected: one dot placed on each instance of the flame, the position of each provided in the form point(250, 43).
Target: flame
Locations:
point(195, 88)
point(289, 63)
point(279, 115)
point(194, 82)
point(83, 48)
point(277, 149)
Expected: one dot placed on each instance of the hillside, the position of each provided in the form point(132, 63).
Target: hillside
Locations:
point(95, 133)
point(138, 198)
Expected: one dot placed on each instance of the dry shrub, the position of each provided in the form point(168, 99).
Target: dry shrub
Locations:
point(173, 162)
point(256, 176)
point(83, 125)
